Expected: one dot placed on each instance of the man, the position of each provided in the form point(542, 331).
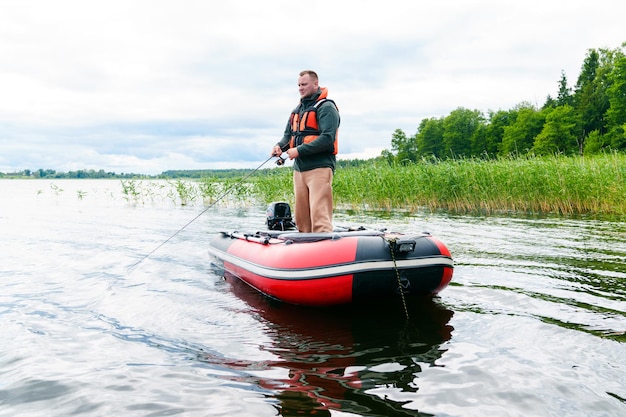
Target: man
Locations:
point(310, 139)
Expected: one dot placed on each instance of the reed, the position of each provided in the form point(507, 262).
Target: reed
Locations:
point(131, 191)
point(564, 185)
point(273, 185)
point(56, 189)
point(140, 191)
point(209, 189)
point(184, 190)
point(558, 184)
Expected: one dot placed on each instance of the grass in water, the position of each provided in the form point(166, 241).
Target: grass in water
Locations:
point(559, 185)
point(564, 185)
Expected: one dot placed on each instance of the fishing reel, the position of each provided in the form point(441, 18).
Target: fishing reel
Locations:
point(280, 161)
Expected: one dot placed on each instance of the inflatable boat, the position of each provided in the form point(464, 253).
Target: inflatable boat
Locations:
point(348, 265)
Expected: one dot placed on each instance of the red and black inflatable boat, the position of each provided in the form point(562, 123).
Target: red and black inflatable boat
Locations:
point(345, 266)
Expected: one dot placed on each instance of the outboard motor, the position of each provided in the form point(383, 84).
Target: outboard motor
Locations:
point(279, 216)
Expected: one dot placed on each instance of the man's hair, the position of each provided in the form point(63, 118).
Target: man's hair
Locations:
point(311, 74)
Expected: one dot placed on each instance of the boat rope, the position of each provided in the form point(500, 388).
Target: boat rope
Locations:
point(220, 197)
point(392, 245)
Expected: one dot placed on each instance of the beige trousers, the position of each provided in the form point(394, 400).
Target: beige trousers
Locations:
point(314, 200)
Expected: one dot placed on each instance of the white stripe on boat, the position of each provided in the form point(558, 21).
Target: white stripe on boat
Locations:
point(329, 270)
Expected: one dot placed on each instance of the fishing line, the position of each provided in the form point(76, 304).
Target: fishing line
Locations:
point(221, 196)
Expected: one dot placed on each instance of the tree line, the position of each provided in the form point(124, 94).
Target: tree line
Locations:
point(183, 173)
point(588, 118)
point(81, 174)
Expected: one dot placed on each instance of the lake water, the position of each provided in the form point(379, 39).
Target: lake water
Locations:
point(532, 325)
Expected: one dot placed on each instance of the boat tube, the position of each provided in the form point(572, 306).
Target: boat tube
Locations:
point(348, 265)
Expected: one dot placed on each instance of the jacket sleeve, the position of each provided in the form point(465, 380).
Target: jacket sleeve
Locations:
point(328, 123)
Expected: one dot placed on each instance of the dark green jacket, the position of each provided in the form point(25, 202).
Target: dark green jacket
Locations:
point(318, 153)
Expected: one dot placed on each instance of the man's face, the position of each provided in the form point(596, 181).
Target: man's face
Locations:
point(306, 86)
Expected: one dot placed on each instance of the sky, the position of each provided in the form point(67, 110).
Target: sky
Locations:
point(146, 86)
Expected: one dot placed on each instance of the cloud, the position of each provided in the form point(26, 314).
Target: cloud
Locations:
point(146, 86)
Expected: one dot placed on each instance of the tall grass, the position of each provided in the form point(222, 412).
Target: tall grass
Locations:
point(559, 184)
point(565, 185)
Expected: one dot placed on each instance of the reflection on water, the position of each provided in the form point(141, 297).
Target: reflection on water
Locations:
point(571, 273)
point(346, 358)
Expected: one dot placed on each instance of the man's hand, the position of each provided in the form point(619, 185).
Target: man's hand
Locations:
point(293, 153)
point(276, 151)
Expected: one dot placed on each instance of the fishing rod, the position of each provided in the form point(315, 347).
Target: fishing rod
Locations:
point(279, 162)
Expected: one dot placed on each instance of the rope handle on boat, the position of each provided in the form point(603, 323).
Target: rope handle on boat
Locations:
point(256, 238)
point(392, 243)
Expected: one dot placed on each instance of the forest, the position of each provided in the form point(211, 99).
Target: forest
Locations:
point(584, 119)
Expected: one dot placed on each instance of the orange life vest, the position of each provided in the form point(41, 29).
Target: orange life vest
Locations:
point(303, 122)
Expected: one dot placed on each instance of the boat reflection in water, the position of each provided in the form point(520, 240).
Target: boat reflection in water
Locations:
point(351, 358)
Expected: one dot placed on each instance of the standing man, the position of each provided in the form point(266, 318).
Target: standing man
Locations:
point(310, 139)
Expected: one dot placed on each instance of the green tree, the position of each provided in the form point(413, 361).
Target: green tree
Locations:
point(519, 137)
point(479, 141)
point(458, 128)
point(404, 146)
point(595, 143)
point(590, 99)
point(616, 93)
point(495, 129)
point(429, 138)
point(559, 132)
point(387, 155)
point(564, 96)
